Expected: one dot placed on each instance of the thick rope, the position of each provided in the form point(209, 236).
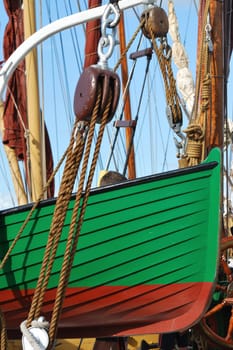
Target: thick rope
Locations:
point(195, 138)
point(35, 205)
point(195, 131)
point(60, 211)
point(74, 156)
point(71, 167)
point(75, 227)
point(61, 161)
point(4, 343)
point(172, 97)
point(141, 24)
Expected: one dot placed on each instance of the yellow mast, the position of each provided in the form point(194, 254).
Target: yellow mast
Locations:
point(33, 109)
point(14, 167)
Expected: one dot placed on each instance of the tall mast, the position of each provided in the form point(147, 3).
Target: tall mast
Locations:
point(14, 166)
point(34, 117)
point(127, 105)
point(216, 127)
point(215, 112)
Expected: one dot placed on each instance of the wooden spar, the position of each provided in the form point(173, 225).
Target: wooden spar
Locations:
point(127, 106)
point(215, 113)
point(34, 118)
point(216, 126)
point(14, 167)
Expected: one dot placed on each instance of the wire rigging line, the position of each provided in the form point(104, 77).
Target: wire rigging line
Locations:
point(112, 146)
point(55, 104)
point(188, 21)
point(75, 41)
point(66, 101)
point(5, 178)
point(67, 85)
point(137, 113)
point(42, 100)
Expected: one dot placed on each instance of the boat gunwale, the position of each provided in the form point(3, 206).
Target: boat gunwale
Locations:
point(132, 182)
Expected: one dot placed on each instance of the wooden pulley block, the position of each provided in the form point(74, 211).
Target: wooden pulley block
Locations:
point(86, 92)
point(156, 21)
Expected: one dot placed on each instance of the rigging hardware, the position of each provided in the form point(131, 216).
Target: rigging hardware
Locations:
point(107, 41)
point(156, 22)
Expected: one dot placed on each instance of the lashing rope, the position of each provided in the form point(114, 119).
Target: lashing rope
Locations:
point(172, 97)
point(196, 130)
point(75, 227)
point(3, 331)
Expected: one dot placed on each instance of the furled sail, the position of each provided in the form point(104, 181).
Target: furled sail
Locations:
point(185, 82)
point(15, 102)
point(15, 107)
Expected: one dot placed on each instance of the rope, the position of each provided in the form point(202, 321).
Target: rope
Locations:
point(74, 156)
point(75, 227)
point(195, 137)
point(136, 118)
point(35, 205)
point(169, 80)
point(196, 130)
point(61, 161)
point(141, 24)
point(3, 331)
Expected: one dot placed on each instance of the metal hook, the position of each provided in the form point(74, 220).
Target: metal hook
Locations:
point(179, 144)
point(208, 30)
point(104, 56)
point(111, 9)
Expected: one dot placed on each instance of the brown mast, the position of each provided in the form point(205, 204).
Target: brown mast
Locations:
point(216, 127)
point(127, 107)
point(214, 123)
point(92, 36)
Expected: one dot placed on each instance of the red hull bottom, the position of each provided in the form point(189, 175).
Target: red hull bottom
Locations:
point(121, 311)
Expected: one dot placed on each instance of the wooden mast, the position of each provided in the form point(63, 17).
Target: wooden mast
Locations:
point(34, 117)
point(216, 127)
point(14, 166)
point(127, 106)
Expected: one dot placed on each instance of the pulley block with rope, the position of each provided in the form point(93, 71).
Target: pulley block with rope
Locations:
point(156, 20)
point(95, 100)
point(156, 26)
point(99, 76)
point(86, 92)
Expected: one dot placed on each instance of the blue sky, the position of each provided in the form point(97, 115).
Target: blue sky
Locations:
point(59, 116)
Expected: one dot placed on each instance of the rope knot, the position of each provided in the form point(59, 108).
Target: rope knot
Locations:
point(194, 132)
point(40, 323)
point(195, 136)
point(205, 93)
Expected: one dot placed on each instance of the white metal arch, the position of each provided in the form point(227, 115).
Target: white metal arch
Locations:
point(53, 28)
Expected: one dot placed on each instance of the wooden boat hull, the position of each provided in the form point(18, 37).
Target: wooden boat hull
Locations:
point(146, 258)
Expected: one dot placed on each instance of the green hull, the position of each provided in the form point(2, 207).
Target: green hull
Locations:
point(146, 258)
